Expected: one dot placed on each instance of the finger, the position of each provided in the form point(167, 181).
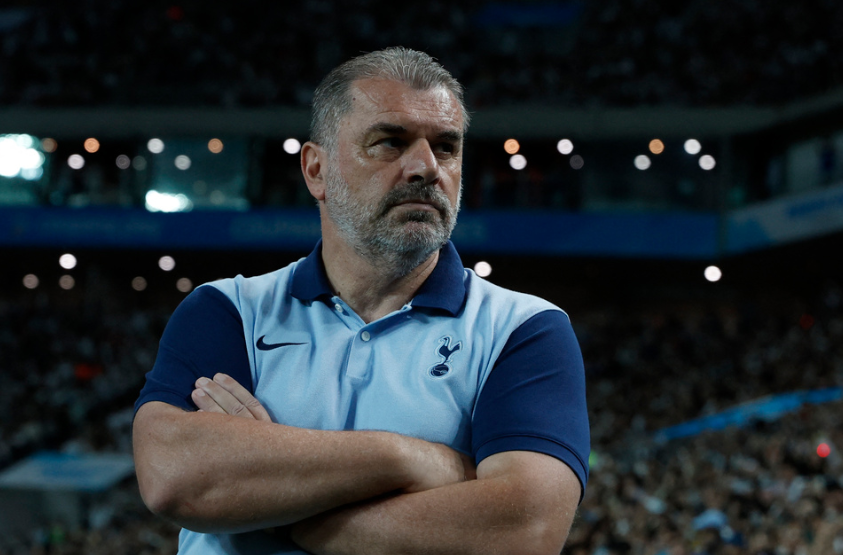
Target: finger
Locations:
point(243, 396)
point(204, 402)
point(225, 401)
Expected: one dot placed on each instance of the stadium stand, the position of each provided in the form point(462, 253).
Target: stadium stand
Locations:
point(752, 488)
point(620, 52)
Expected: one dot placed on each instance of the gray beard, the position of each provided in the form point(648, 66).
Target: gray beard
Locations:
point(397, 244)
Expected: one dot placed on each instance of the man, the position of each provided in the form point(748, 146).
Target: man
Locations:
point(344, 400)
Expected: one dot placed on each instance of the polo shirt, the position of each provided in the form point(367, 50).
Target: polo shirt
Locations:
point(465, 363)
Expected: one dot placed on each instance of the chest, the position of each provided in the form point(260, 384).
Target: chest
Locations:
point(409, 374)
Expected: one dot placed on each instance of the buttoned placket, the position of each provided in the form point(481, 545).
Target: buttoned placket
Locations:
point(361, 351)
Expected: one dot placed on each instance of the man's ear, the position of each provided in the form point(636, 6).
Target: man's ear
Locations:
point(313, 165)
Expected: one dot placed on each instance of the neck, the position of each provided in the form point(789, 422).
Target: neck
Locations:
point(372, 287)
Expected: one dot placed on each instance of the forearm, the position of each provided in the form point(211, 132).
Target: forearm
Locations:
point(210, 472)
point(503, 514)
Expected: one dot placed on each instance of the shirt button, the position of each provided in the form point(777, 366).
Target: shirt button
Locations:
point(338, 307)
point(365, 336)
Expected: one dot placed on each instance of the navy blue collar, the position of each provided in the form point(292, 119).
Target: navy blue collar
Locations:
point(444, 288)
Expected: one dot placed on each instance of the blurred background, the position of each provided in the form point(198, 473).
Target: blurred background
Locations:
point(670, 173)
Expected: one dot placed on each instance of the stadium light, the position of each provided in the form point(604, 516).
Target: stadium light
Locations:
point(155, 146)
point(642, 162)
point(656, 146)
point(292, 146)
point(692, 146)
point(167, 202)
point(67, 261)
point(139, 283)
point(565, 146)
point(91, 145)
point(184, 285)
point(67, 282)
point(713, 274)
point(483, 269)
point(76, 161)
point(182, 162)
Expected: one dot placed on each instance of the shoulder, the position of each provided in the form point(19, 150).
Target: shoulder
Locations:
point(248, 291)
point(485, 300)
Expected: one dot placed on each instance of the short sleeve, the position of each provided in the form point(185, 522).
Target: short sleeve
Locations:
point(534, 398)
point(204, 336)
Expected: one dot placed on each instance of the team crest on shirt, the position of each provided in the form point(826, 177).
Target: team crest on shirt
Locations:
point(446, 352)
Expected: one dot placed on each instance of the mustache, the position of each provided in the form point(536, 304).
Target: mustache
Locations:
point(415, 191)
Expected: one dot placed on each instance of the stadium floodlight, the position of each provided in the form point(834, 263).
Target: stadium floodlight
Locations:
point(67, 282)
point(518, 162)
point(67, 261)
point(155, 146)
point(656, 146)
point(184, 285)
point(139, 283)
point(692, 146)
point(642, 162)
point(167, 202)
point(707, 162)
point(292, 146)
point(30, 281)
point(182, 162)
point(20, 158)
point(483, 269)
point(76, 161)
point(565, 146)
point(713, 273)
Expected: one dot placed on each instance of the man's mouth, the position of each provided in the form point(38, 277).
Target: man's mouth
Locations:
point(416, 199)
point(419, 204)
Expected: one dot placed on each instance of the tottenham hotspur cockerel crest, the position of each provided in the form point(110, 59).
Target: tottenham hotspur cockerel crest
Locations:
point(446, 351)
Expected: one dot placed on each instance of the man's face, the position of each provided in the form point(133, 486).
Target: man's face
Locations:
point(393, 183)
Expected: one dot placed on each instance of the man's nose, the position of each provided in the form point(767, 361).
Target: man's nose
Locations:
point(420, 163)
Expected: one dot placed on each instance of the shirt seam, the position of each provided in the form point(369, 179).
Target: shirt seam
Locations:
point(534, 436)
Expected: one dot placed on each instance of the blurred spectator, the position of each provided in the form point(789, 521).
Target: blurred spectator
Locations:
point(72, 367)
point(616, 53)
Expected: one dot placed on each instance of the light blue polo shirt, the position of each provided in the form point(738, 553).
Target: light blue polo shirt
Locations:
point(465, 363)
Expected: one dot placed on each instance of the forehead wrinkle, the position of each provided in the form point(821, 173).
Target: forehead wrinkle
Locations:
point(385, 127)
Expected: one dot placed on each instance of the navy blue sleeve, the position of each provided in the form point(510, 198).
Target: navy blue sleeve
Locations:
point(534, 398)
point(203, 336)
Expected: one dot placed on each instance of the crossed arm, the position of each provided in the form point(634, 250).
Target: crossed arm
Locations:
point(346, 492)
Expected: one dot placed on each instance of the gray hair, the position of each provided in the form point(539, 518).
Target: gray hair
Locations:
point(332, 100)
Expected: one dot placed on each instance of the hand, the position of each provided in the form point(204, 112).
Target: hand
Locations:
point(225, 395)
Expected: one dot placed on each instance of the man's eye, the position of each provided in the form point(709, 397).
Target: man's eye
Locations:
point(447, 148)
point(392, 142)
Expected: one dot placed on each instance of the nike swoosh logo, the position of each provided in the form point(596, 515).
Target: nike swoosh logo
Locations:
point(269, 346)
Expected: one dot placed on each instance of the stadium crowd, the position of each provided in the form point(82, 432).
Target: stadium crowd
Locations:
point(575, 53)
point(70, 372)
